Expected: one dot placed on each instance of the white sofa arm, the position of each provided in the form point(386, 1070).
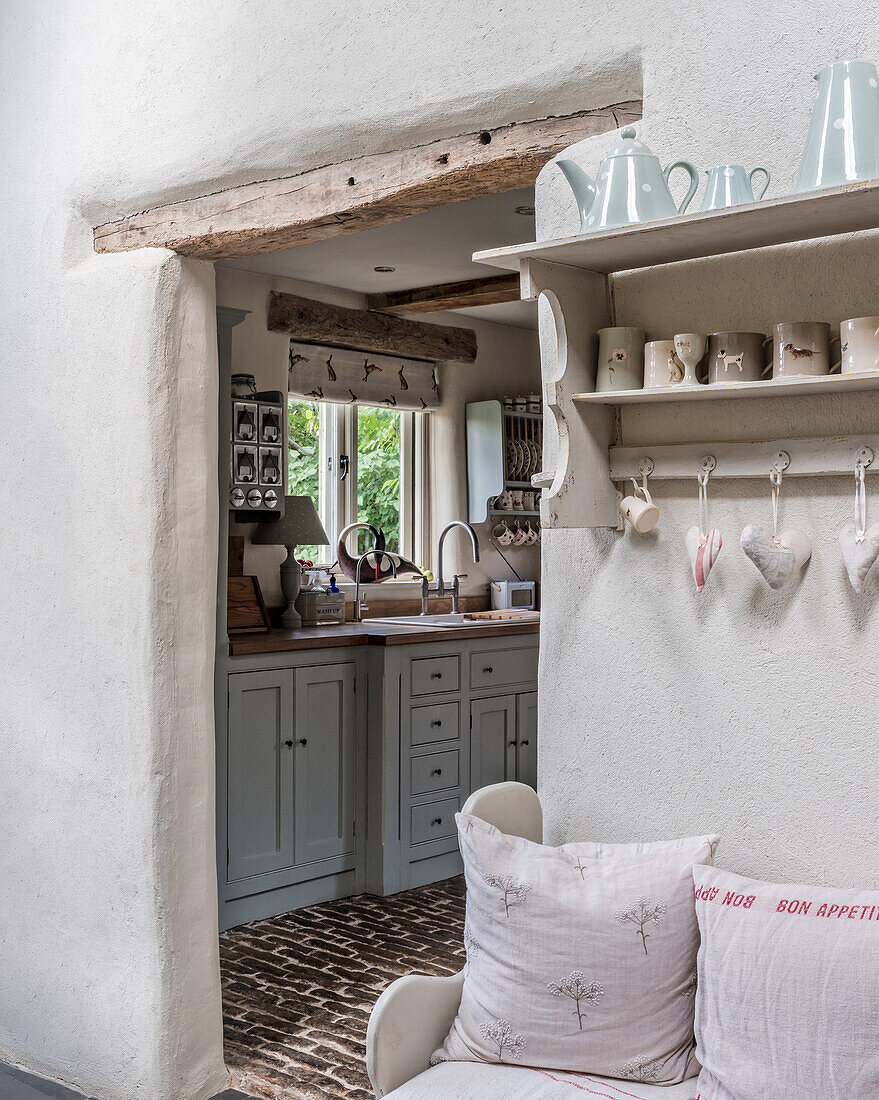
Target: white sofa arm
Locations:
point(410, 1020)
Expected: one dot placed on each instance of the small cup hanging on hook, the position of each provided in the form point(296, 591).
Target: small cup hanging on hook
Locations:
point(778, 555)
point(703, 542)
point(640, 511)
point(858, 543)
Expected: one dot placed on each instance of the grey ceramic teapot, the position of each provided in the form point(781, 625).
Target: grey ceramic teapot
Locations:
point(632, 187)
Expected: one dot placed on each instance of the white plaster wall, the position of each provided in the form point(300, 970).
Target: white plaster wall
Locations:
point(107, 948)
point(743, 710)
point(507, 362)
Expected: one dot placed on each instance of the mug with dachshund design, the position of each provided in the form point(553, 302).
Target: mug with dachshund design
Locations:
point(801, 349)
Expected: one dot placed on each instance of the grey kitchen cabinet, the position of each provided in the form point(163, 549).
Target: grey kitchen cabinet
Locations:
point(324, 743)
point(503, 739)
point(260, 769)
point(291, 784)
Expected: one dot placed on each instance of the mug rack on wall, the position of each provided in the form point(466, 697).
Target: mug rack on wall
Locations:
point(819, 457)
point(573, 276)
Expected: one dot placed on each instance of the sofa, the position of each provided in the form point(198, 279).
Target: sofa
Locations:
point(412, 1017)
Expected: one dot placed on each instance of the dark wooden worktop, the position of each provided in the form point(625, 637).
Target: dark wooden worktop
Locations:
point(366, 633)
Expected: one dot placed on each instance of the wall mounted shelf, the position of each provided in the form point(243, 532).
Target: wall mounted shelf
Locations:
point(715, 233)
point(833, 383)
point(573, 276)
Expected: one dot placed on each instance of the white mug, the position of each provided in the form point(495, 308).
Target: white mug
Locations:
point(502, 534)
point(859, 337)
point(642, 514)
point(531, 535)
point(801, 349)
point(517, 500)
point(528, 500)
point(661, 366)
point(519, 536)
point(505, 501)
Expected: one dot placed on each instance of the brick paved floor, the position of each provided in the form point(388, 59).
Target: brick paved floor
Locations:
point(298, 989)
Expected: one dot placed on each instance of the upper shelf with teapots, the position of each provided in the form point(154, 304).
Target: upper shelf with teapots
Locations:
point(629, 220)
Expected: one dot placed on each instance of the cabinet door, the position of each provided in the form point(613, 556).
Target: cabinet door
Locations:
point(325, 745)
point(492, 740)
point(259, 791)
point(526, 735)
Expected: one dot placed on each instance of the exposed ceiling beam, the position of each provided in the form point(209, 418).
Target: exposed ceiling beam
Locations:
point(312, 322)
point(432, 299)
point(358, 194)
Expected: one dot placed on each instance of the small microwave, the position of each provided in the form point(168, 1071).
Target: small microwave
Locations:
point(509, 595)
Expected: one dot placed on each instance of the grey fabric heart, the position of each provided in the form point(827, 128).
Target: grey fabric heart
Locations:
point(779, 558)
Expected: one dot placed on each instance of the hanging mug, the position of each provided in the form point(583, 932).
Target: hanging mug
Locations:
point(502, 534)
point(519, 535)
point(642, 514)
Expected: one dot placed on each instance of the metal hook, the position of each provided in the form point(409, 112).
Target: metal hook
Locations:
point(646, 466)
point(864, 457)
point(780, 462)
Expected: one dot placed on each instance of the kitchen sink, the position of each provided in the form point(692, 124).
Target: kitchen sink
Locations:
point(458, 619)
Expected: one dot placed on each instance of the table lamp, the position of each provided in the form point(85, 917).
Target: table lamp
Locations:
point(299, 526)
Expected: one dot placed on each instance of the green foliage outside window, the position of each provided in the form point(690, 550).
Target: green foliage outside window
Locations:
point(303, 457)
point(378, 474)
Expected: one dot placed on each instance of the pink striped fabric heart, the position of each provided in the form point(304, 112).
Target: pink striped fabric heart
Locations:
point(703, 551)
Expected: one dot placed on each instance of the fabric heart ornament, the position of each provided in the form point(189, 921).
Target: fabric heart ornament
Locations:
point(859, 556)
point(780, 557)
point(703, 551)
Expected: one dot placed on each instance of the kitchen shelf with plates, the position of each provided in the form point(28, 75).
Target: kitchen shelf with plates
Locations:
point(504, 451)
point(630, 222)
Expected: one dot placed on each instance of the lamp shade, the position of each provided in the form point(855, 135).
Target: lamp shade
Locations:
point(299, 526)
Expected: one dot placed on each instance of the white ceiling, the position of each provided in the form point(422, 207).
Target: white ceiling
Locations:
point(425, 249)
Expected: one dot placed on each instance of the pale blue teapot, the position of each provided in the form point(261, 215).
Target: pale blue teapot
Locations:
point(843, 141)
point(632, 187)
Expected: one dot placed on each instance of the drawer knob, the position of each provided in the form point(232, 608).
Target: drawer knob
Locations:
point(303, 740)
point(289, 744)
point(512, 742)
point(523, 742)
point(437, 821)
point(436, 676)
point(437, 771)
point(489, 670)
point(436, 722)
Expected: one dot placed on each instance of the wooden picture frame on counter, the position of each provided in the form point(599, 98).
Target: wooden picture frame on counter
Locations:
point(245, 608)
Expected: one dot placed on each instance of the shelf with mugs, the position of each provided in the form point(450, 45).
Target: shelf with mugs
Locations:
point(504, 449)
point(781, 387)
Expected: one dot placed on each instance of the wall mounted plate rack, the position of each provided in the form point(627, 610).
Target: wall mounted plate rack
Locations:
point(573, 275)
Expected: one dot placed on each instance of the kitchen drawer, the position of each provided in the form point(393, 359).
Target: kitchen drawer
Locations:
point(431, 675)
point(433, 821)
point(439, 722)
point(437, 771)
point(503, 666)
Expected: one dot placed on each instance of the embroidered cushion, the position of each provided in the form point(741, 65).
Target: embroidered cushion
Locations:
point(579, 958)
point(788, 997)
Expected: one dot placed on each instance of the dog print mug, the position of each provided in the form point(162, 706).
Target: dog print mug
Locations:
point(801, 349)
point(737, 357)
point(859, 340)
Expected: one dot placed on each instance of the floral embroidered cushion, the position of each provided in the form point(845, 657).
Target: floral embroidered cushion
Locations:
point(788, 985)
point(579, 958)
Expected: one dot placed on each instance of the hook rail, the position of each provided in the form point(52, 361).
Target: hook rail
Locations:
point(818, 457)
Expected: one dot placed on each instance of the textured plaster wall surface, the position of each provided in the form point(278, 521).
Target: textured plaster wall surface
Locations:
point(108, 950)
point(741, 710)
point(507, 362)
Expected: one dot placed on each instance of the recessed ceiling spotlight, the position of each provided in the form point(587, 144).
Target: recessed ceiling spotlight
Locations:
point(384, 270)
point(526, 211)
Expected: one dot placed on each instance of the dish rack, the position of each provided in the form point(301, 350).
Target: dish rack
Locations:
point(504, 451)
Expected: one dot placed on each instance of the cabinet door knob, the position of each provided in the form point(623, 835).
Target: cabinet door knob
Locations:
point(289, 744)
point(303, 740)
point(512, 742)
point(523, 742)
point(437, 771)
point(489, 670)
point(437, 821)
point(436, 676)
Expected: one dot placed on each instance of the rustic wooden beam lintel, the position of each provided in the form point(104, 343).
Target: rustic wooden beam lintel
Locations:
point(312, 322)
point(432, 299)
point(358, 194)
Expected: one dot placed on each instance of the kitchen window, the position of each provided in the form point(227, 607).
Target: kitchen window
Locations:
point(361, 463)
